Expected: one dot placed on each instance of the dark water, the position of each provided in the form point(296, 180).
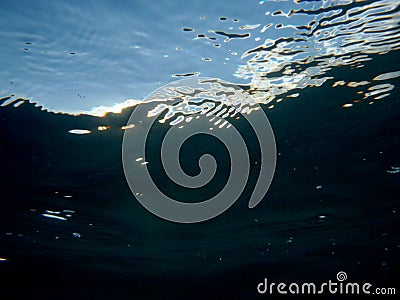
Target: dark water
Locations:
point(70, 227)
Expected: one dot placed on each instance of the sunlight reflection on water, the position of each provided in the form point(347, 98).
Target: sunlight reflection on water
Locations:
point(72, 61)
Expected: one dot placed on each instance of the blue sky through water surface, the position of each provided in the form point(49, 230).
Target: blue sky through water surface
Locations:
point(75, 55)
point(72, 56)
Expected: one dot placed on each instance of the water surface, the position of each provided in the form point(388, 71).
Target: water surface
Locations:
point(326, 73)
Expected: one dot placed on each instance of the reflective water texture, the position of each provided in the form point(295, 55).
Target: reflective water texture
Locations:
point(71, 61)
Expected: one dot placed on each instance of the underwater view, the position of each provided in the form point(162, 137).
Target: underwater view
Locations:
point(199, 149)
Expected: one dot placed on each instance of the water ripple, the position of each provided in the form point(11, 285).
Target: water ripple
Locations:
point(316, 38)
point(72, 61)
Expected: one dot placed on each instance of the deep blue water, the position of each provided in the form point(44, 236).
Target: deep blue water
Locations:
point(69, 224)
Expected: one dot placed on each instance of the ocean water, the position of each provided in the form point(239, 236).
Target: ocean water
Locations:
point(326, 73)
